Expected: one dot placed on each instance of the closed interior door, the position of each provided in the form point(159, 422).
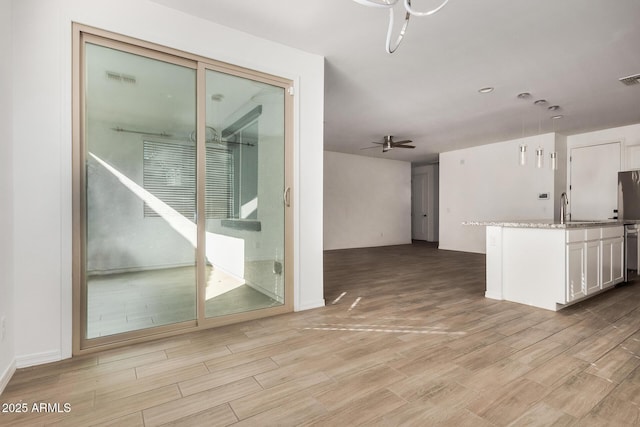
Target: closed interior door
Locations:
point(594, 181)
point(420, 199)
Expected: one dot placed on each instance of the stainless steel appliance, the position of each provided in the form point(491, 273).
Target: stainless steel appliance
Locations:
point(629, 195)
point(629, 212)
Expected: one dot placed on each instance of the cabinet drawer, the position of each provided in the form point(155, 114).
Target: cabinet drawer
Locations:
point(610, 232)
point(576, 235)
point(593, 233)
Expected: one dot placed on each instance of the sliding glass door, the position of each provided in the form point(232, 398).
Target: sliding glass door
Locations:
point(245, 186)
point(182, 192)
point(140, 178)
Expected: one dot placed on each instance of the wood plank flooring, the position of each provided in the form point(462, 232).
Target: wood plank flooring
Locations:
point(126, 302)
point(406, 338)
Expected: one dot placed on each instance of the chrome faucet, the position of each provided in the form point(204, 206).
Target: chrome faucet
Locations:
point(564, 202)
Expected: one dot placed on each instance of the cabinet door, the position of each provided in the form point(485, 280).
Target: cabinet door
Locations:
point(592, 266)
point(575, 271)
point(607, 263)
point(617, 260)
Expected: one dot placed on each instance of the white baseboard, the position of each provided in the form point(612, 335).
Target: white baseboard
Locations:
point(493, 296)
point(38, 358)
point(6, 375)
point(310, 305)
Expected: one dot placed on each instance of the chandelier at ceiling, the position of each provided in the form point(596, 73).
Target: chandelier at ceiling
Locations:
point(389, 4)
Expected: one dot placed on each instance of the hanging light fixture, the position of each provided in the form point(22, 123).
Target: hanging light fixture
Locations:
point(523, 154)
point(553, 164)
point(554, 155)
point(523, 147)
point(539, 157)
point(389, 4)
point(540, 150)
point(554, 161)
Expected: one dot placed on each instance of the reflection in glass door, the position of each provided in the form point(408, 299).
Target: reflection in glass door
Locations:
point(182, 174)
point(140, 181)
point(245, 183)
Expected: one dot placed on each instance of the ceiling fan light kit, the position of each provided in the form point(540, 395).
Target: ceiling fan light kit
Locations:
point(409, 12)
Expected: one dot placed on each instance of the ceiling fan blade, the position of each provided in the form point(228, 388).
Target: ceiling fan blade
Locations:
point(367, 148)
point(404, 146)
point(406, 141)
point(379, 143)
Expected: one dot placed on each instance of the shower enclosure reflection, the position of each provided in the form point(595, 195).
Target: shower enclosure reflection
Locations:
point(249, 117)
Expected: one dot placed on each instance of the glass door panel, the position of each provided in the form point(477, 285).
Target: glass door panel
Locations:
point(140, 184)
point(245, 183)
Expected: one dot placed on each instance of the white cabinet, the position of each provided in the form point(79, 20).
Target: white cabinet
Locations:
point(576, 284)
point(593, 266)
point(612, 261)
point(617, 260)
point(595, 260)
point(553, 267)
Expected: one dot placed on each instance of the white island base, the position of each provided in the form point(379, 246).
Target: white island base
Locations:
point(552, 266)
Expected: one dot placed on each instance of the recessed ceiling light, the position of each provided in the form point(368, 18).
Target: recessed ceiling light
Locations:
point(553, 107)
point(524, 95)
point(485, 89)
point(540, 102)
point(559, 116)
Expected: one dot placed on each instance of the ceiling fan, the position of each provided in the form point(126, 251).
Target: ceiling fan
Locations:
point(389, 143)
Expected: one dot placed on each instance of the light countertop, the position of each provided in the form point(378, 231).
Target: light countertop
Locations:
point(542, 223)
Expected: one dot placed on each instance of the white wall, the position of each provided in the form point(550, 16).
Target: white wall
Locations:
point(7, 349)
point(42, 153)
point(488, 183)
point(367, 201)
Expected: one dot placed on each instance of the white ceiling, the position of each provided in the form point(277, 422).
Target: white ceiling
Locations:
point(569, 52)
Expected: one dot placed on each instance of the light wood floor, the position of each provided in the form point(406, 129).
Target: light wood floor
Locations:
point(406, 338)
point(127, 302)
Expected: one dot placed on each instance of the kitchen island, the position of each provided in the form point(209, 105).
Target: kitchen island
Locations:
point(551, 265)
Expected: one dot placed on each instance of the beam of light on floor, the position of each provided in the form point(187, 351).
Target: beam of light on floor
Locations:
point(394, 331)
point(355, 303)
point(183, 226)
point(383, 326)
point(338, 299)
point(219, 283)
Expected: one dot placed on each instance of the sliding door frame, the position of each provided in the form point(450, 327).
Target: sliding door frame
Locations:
point(83, 34)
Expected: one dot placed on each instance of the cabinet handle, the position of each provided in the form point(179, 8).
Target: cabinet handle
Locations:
point(287, 196)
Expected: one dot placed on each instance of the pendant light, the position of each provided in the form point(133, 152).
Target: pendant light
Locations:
point(539, 157)
point(554, 161)
point(523, 154)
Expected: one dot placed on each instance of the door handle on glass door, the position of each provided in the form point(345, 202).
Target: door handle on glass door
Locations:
point(287, 197)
